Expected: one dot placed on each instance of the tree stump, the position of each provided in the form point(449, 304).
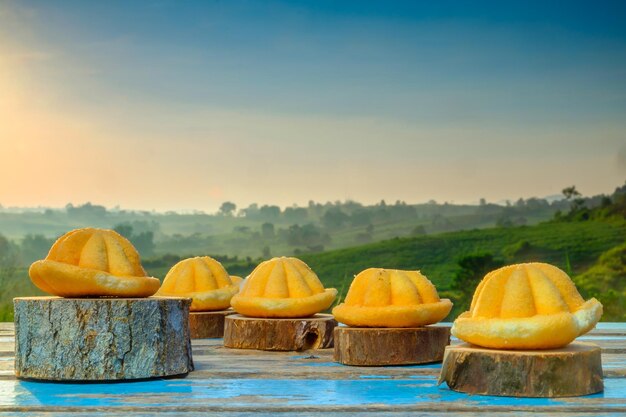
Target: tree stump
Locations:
point(289, 334)
point(206, 324)
point(570, 371)
point(362, 346)
point(101, 339)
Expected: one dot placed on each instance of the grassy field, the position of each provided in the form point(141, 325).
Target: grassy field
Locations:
point(573, 246)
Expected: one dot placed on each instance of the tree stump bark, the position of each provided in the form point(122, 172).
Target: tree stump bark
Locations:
point(287, 334)
point(206, 324)
point(101, 339)
point(571, 371)
point(363, 346)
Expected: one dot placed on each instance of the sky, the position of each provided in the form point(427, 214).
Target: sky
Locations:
point(181, 105)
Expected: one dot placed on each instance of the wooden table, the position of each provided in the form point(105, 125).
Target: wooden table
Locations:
point(241, 382)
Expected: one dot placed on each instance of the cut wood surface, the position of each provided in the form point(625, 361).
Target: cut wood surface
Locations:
point(289, 334)
point(240, 382)
point(573, 370)
point(101, 339)
point(390, 346)
point(207, 324)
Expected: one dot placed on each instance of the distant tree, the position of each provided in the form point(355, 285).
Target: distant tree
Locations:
point(308, 235)
point(269, 212)
point(401, 210)
point(535, 204)
point(381, 213)
point(227, 208)
point(482, 202)
point(315, 210)
point(144, 242)
point(35, 247)
point(360, 217)
point(294, 235)
point(86, 211)
point(267, 230)
point(369, 229)
point(146, 226)
point(124, 229)
point(577, 203)
point(350, 206)
point(570, 192)
point(267, 254)
point(296, 214)
point(250, 212)
point(334, 218)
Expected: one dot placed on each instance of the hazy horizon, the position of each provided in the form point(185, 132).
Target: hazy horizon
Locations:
point(164, 105)
point(282, 207)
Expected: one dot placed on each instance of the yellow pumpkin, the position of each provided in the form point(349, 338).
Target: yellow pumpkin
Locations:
point(282, 287)
point(391, 298)
point(204, 280)
point(526, 306)
point(93, 262)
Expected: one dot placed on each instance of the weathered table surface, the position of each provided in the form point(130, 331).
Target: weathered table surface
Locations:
point(231, 382)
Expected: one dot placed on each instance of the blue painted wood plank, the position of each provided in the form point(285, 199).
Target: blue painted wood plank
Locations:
point(605, 325)
point(228, 381)
point(420, 391)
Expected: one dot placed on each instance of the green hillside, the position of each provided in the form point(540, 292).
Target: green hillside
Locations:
point(606, 280)
point(572, 246)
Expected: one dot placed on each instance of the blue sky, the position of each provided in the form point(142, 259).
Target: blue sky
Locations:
point(192, 103)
